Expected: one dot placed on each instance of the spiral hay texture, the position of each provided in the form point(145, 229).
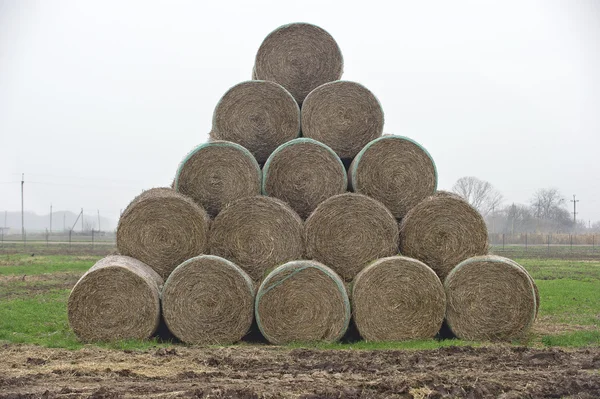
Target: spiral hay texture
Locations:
point(163, 228)
point(489, 299)
point(398, 298)
point(217, 173)
point(348, 231)
point(257, 234)
point(344, 115)
point(258, 115)
point(118, 298)
point(300, 57)
point(304, 173)
point(442, 231)
point(208, 300)
point(302, 301)
point(396, 171)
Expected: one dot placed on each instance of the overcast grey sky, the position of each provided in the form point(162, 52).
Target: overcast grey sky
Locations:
point(101, 99)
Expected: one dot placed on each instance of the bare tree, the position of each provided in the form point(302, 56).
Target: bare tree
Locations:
point(548, 203)
point(479, 193)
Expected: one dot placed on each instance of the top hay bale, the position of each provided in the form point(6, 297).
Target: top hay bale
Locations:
point(163, 228)
point(343, 115)
point(396, 171)
point(258, 115)
point(300, 57)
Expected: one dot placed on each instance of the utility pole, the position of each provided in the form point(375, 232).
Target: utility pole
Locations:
point(50, 218)
point(574, 201)
point(22, 208)
point(99, 220)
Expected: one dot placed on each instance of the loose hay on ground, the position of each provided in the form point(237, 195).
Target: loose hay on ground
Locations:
point(398, 298)
point(117, 298)
point(208, 300)
point(302, 301)
point(304, 173)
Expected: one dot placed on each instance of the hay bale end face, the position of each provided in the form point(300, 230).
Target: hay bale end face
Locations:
point(163, 228)
point(258, 115)
point(442, 231)
point(489, 299)
point(118, 298)
point(398, 298)
point(349, 231)
point(257, 234)
point(344, 115)
point(217, 173)
point(208, 300)
point(300, 57)
point(302, 301)
point(396, 171)
point(304, 173)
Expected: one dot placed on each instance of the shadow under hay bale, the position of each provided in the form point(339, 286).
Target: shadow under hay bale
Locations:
point(302, 301)
point(300, 57)
point(217, 173)
point(304, 173)
point(396, 171)
point(258, 115)
point(163, 228)
point(489, 298)
point(117, 298)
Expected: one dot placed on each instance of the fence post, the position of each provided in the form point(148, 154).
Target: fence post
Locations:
point(526, 241)
point(502, 242)
point(571, 239)
point(593, 242)
point(548, 243)
point(92, 238)
point(46, 237)
point(70, 231)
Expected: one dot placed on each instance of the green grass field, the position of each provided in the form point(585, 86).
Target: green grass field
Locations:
point(34, 292)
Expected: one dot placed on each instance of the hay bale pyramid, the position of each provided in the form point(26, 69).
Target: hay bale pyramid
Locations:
point(300, 217)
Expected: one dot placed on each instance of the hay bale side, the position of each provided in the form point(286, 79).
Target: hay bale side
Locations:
point(489, 299)
point(163, 228)
point(257, 234)
point(217, 173)
point(442, 231)
point(304, 173)
point(258, 115)
point(300, 57)
point(398, 298)
point(344, 115)
point(395, 170)
point(302, 301)
point(208, 300)
point(117, 298)
point(349, 231)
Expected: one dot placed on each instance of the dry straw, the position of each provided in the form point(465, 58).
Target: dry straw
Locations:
point(118, 298)
point(300, 57)
point(217, 173)
point(302, 301)
point(348, 231)
point(163, 228)
point(489, 298)
point(258, 115)
point(442, 231)
point(398, 298)
point(257, 234)
point(344, 115)
point(304, 173)
point(208, 300)
point(396, 171)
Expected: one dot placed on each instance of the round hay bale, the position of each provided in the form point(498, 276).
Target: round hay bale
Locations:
point(304, 173)
point(344, 115)
point(396, 171)
point(300, 57)
point(349, 231)
point(442, 231)
point(117, 298)
point(489, 298)
point(398, 298)
point(217, 173)
point(258, 115)
point(162, 228)
point(257, 234)
point(208, 300)
point(302, 301)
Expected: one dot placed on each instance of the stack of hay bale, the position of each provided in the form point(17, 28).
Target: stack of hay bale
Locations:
point(294, 215)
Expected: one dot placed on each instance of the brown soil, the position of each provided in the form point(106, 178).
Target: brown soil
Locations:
point(272, 372)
